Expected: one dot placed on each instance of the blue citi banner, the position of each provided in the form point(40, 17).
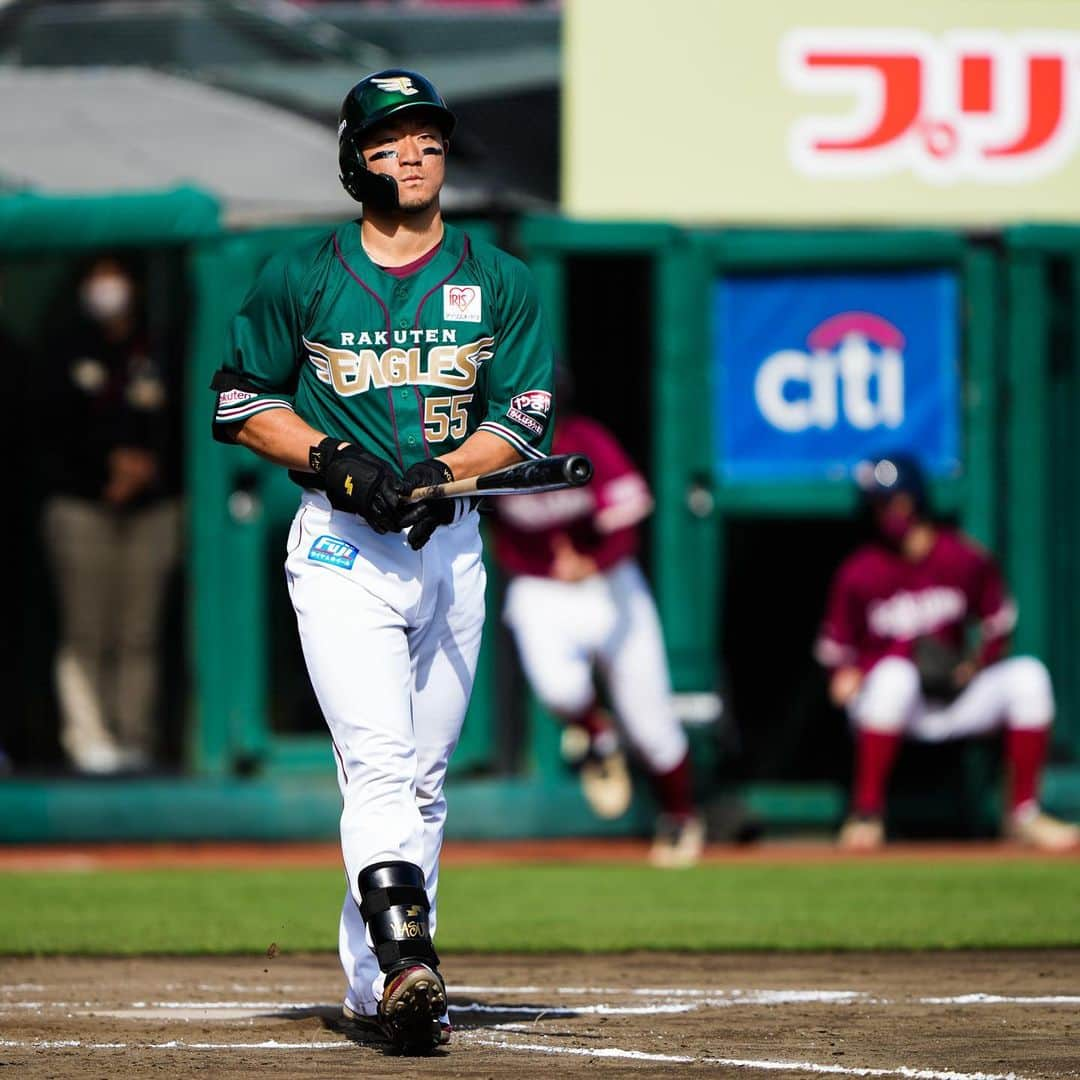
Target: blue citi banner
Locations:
point(814, 373)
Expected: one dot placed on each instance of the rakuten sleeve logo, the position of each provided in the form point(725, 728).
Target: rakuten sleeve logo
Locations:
point(853, 371)
point(970, 105)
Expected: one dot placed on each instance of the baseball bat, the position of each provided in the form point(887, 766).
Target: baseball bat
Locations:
point(544, 474)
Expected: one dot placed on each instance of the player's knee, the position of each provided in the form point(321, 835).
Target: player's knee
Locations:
point(396, 910)
point(888, 695)
point(661, 748)
point(1030, 693)
point(567, 696)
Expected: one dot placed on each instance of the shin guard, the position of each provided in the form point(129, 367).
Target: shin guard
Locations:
point(394, 905)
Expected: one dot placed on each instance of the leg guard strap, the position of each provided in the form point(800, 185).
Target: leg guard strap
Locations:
point(394, 905)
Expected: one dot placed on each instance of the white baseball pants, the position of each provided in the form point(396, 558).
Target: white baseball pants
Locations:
point(391, 638)
point(609, 619)
point(1014, 693)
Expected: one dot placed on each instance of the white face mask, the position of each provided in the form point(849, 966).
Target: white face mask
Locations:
point(105, 296)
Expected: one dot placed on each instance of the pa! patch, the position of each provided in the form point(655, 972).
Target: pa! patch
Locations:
point(461, 303)
point(530, 410)
point(333, 551)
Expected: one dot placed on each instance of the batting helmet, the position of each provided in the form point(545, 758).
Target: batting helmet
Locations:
point(370, 102)
point(895, 474)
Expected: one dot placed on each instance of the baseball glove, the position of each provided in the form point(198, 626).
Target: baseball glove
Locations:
point(937, 663)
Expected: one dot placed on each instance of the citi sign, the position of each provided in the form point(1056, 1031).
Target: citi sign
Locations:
point(980, 106)
point(853, 372)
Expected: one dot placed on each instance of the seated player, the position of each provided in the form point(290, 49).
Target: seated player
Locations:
point(893, 639)
point(577, 602)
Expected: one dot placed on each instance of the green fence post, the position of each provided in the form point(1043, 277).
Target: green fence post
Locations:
point(542, 732)
point(687, 552)
point(549, 273)
point(982, 467)
point(227, 541)
point(207, 485)
point(1067, 629)
point(1027, 453)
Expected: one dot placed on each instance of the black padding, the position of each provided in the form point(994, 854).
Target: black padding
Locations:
point(232, 380)
point(394, 905)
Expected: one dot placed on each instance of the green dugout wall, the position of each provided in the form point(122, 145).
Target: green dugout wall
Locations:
point(1019, 333)
point(690, 501)
point(1042, 448)
point(245, 775)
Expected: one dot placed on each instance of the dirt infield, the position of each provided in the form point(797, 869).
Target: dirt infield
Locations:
point(968, 1016)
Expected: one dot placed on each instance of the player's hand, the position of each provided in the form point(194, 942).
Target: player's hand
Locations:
point(131, 471)
point(941, 667)
point(424, 517)
point(363, 484)
point(964, 672)
point(844, 685)
point(568, 564)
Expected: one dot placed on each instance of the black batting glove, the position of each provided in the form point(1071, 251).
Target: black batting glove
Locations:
point(359, 483)
point(426, 516)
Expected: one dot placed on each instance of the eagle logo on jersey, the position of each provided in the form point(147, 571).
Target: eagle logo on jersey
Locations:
point(400, 84)
point(452, 366)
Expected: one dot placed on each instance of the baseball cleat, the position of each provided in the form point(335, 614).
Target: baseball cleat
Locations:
point(412, 1003)
point(363, 1024)
point(605, 782)
point(370, 1024)
point(574, 745)
point(601, 768)
point(678, 842)
point(862, 832)
point(1039, 830)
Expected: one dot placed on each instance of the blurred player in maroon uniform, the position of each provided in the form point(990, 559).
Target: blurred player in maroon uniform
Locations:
point(577, 602)
point(894, 640)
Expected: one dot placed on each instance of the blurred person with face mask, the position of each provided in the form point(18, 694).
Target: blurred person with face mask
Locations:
point(111, 517)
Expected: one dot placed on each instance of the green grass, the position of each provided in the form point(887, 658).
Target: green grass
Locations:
point(580, 908)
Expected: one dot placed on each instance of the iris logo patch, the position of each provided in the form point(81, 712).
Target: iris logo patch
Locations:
point(333, 551)
point(462, 303)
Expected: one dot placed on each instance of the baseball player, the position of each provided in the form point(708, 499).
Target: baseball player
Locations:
point(384, 357)
point(577, 602)
point(893, 640)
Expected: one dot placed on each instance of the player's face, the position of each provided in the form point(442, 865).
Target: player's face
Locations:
point(413, 151)
point(894, 517)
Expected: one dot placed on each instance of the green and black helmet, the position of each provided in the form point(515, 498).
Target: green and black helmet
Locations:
point(368, 104)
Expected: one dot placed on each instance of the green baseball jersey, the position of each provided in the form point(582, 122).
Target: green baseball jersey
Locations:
point(406, 367)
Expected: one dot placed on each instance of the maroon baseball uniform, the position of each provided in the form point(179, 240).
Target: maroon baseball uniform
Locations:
point(880, 602)
point(600, 519)
point(604, 621)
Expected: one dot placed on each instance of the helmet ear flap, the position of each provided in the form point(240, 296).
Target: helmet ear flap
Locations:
point(360, 182)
